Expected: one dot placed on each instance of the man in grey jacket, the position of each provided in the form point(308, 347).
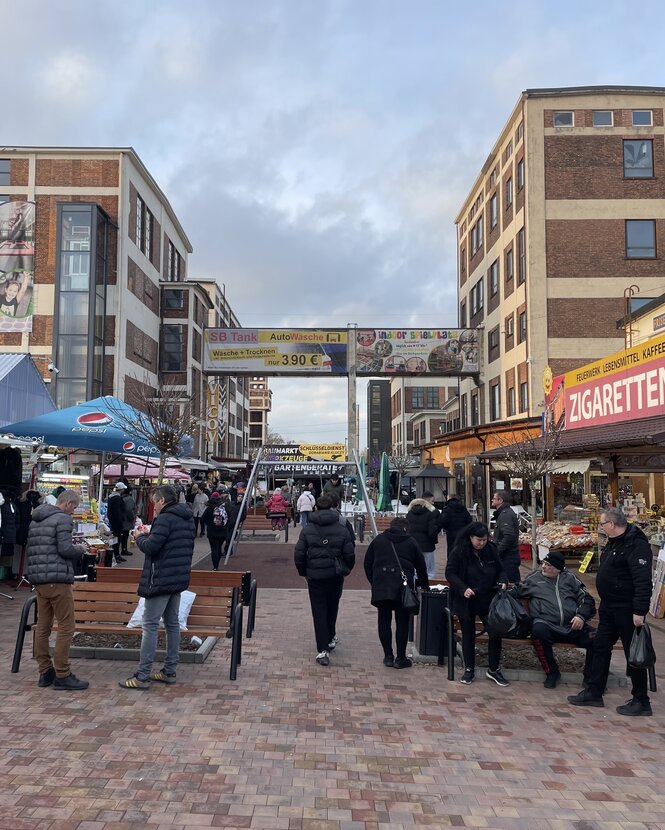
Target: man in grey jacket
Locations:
point(560, 608)
point(50, 557)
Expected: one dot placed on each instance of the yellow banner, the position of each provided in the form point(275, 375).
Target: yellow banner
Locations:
point(326, 452)
point(617, 362)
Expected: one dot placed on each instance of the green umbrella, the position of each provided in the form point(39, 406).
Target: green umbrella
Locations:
point(383, 502)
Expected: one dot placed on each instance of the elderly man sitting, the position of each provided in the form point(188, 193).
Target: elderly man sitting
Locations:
point(560, 608)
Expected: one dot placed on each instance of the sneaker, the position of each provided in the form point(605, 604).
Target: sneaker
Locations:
point(71, 683)
point(322, 658)
point(497, 677)
point(133, 682)
point(468, 677)
point(585, 698)
point(332, 645)
point(552, 679)
point(635, 709)
point(128, 553)
point(389, 661)
point(47, 678)
point(163, 677)
point(120, 559)
point(402, 663)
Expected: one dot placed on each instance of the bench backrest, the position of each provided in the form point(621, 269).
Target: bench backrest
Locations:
point(114, 604)
point(220, 579)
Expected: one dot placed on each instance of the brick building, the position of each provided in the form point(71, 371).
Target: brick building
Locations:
point(412, 403)
point(562, 219)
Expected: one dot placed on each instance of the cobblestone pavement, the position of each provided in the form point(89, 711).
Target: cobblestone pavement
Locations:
point(293, 745)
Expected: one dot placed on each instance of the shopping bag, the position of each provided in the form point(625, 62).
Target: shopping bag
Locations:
point(501, 617)
point(523, 621)
point(641, 654)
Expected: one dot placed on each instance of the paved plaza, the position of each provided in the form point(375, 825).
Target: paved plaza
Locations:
point(296, 746)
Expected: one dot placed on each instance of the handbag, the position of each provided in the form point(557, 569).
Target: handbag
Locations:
point(641, 654)
point(409, 599)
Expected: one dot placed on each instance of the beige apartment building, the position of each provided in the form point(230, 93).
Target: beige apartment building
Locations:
point(563, 218)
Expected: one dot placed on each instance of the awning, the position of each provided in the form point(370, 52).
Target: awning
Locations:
point(571, 465)
point(23, 393)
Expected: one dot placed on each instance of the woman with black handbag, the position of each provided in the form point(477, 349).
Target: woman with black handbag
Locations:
point(392, 558)
point(473, 571)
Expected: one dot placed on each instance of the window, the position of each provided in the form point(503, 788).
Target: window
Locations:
point(418, 397)
point(477, 298)
point(521, 254)
point(494, 211)
point(144, 223)
point(493, 339)
point(174, 299)
point(563, 118)
point(520, 174)
point(511, 401)
point(510, 326)
point(462, 314)
point(480, 231)
point(520, 130)
point(640, 238)
point(432, 397)
point(509, 265)
point(463, 412)
point(474, 240)
point(475, 409)
point(521, 327)
point(509, 192)
point(495, 402)
point(602, 118)
point(493, 176)
point(173, 264)
point(494, 278)
point(642, 118)
point(462, 259)
point(509, 150)
point(172, 348)
point(524, 396)
point(5, 170)
point(638, 159)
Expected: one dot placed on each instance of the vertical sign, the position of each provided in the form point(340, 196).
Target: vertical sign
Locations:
point(213, 413)
point(17, 265)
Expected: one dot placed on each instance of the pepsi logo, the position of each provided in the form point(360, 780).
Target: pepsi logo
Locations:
point(95, 419)
point(128, 446)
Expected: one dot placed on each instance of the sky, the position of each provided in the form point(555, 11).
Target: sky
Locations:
point(316, 152)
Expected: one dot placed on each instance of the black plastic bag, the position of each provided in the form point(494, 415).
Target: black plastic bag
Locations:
point(641, 654)
point(523, 623)
point(501, 617)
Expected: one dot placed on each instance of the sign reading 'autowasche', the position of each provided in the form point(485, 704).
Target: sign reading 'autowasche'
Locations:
point(628, 384)
point(275, 351)
point(297, 459)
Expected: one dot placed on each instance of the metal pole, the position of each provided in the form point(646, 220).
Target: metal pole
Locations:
point(368, 503)
point(245, 500)
point(100, 489)
point(351, 352)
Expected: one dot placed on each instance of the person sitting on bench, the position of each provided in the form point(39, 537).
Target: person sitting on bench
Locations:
point(560, 608)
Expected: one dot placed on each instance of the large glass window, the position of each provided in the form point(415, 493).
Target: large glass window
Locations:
point(418, 397)
point(432, 397)
point(640, 238)
point(174, 298)
point(642, 118)
point(638, 159)
point(172, 340)
point(602, 118)
point(5, 171)
point(563, 118)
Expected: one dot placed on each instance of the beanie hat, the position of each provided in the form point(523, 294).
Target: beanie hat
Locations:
point(556, 560)
point(215, 496)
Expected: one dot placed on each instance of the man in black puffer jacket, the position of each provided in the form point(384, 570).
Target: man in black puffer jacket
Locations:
point(454, 518)
point(623, 583)
point(168, 551)
point(324, 554)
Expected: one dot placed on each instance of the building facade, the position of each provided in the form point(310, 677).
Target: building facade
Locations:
point(378, 418)
point(410, 397)
point(260, 404)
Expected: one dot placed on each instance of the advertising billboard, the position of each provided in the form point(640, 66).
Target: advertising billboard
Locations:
point(626, 385)
point(275, 351)
point(296, 459)
point(417, 351)
point(17, 265)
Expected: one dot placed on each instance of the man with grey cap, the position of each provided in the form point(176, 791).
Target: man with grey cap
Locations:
point(560, 608)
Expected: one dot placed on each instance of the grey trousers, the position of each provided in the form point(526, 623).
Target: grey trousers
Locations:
point(167, 606)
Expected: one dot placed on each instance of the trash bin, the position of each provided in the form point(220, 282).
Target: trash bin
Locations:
point(431, 625)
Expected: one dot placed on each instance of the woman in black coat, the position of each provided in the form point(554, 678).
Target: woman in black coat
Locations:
point(383, 573)
point(473, 572)
point(216, 523)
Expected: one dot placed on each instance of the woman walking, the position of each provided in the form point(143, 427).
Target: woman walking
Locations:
point(391, 553)
point(305, 506)
point(474, 571)
point(199, 504)
point(215, 518)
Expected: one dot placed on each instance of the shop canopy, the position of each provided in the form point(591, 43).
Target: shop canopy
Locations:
point(23, 393)
point(97, 425)
point(135, 468)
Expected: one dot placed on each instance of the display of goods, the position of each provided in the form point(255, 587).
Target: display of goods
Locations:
point(558, 536)
point(525, 539)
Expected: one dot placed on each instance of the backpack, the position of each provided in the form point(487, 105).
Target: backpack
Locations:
point(130, 508)
point(219, 516)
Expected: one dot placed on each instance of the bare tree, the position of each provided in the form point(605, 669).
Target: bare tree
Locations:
point(401, 462)
point(274, 438)
point(531, 457)
point(162, 417)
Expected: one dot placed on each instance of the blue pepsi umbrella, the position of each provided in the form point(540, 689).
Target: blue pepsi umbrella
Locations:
point(99, 425)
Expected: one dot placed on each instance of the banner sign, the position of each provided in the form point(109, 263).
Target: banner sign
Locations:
point(275, 351)
point(417, 351)
point(626, 385)
point(296, 459)
point(214, 413)
point(17, 265)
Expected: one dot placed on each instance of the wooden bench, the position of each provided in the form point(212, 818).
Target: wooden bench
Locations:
point(450, 642)
point(262, 523)
point(107, 607)
point(220, 579)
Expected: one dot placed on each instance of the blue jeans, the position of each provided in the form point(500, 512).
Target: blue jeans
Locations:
point(167, 606)
point(430, 562)
point(304, 517)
